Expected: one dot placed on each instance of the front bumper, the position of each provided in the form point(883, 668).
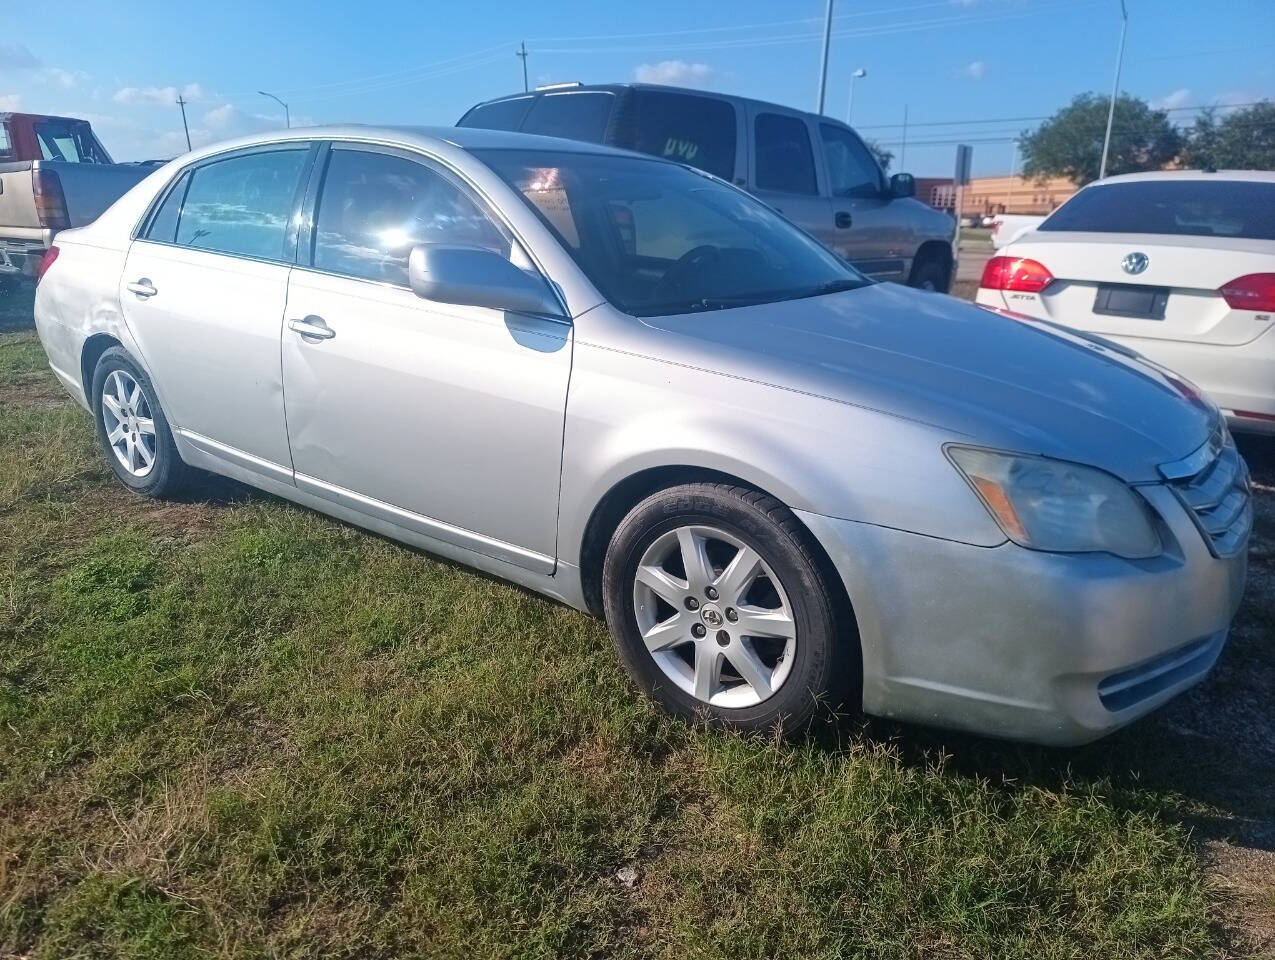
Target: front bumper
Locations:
point(1052, 648)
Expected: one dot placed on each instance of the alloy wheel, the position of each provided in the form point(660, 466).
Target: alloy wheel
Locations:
point(714, 617)
point(130, 427)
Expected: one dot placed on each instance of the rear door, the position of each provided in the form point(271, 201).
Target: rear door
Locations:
point(866, 231)
point(784, 173)
point(203, 292)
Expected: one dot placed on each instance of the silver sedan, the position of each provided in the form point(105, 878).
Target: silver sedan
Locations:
point(630, 386)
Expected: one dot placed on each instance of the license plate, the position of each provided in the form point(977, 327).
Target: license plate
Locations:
point(1131, 300)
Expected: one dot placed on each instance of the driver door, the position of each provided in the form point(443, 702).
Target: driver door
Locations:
point(441, 418)
point(866, 231)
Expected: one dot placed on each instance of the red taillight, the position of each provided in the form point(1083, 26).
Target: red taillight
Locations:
point(1015, 273)
point(50, 202)
point(1254, 291)
point(46, 261)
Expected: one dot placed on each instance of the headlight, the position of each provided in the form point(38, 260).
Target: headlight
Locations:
point(1058, 506)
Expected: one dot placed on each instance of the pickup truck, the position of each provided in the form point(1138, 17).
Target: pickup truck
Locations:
point(1008, 227)
point(54, 174)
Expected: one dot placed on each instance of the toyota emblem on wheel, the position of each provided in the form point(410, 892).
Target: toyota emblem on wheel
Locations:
point(1135, 262)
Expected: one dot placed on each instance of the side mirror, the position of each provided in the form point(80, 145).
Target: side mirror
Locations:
point(902, 185)
point(476, 277)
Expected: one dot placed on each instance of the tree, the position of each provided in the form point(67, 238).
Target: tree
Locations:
point(883, 155)
point(1242, 140)
point(1069, 144)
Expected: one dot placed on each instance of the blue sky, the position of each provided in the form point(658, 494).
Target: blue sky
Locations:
point(121, 64)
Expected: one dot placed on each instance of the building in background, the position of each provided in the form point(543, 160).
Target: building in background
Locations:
point(990, 195)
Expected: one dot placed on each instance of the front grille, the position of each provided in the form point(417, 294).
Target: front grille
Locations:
point(1122, 690)
point(1217, 495)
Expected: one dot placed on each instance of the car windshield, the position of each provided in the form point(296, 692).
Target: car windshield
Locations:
point(1190, 208)
point(657, 238)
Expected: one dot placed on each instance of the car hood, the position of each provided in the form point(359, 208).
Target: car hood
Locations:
point(988, 378)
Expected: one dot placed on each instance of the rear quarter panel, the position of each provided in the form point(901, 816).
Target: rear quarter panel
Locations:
point(78, 298)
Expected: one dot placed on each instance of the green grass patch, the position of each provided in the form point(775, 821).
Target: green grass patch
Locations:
point(241, 729)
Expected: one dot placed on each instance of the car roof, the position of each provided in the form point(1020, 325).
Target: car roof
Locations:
point(657, 87)
point(1253, 176)
point(426, 138)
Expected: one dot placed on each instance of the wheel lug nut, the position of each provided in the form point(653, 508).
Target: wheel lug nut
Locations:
point(692, 603)
point(723, 638)
point(731, 614)
point(710, 592)
point(698, 630)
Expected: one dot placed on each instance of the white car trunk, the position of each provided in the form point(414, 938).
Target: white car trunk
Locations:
point(1175, 297)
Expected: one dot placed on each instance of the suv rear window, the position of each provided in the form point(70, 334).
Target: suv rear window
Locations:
point(683, 127)
point(1186, 208)
point(575, 116)
point(501, 115)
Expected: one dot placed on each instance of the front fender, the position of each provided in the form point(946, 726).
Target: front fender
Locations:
point(627, 414)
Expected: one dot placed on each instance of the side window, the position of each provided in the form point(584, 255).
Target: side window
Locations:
point(164, 224)
point(501, 115)
point(374, 207)
point(678, 126)
point(852, 170)
point(6, 145)
point(783, 160)
point(242, 205)
point(575, 116)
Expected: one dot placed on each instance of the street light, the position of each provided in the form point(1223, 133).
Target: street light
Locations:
point(287, 119)
point(1115, 90)
point(853, 77)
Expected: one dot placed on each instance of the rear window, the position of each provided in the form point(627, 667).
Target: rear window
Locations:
point(501, 115)
point(1186, 208)
point(70, 141)
point(682, 127)
point(782, 159)
point(6, 145)
point(575, 116)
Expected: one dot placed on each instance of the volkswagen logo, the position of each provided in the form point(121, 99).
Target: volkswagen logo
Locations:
point(1135, 262)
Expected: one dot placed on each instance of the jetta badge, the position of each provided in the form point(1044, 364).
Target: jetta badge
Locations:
point(1135, 262)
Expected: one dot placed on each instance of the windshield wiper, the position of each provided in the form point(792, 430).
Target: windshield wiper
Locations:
point(837, 286)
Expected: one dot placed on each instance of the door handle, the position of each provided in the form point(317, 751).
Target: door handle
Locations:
point(142, 288)
point(312, 328)
point(843, 220)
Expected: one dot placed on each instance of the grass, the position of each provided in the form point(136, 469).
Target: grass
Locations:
point(232, 727)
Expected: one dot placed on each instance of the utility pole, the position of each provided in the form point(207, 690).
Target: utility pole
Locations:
point(522, 54)
point(182, 103)
point(1115, 91)
point(903, 152)
point(287, 117)
point(1013, 164)
point(823, 63)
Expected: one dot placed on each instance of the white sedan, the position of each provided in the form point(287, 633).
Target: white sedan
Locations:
point(1179, 266)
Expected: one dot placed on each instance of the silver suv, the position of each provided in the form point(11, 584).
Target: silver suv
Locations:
point(812, 169)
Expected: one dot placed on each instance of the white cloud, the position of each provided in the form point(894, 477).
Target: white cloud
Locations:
point(10, 101)
point(158, 95)
point(16, 56)
point(974, 71)
point(1178, 98)
point(219, 118)
point(675, 73)
point(66, 79)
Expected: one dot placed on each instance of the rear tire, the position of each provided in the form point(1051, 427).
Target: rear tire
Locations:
point(132, 429)
point(688, 640)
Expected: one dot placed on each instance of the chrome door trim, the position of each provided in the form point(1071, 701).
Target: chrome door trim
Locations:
point(428, 526)
point(236, 456)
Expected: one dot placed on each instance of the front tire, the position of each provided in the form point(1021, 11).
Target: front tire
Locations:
point(719, 607)
point(132, 429)
point(932, 273)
